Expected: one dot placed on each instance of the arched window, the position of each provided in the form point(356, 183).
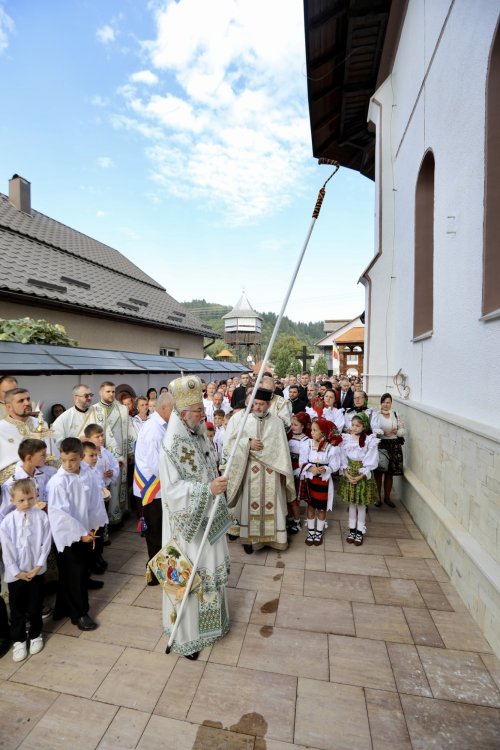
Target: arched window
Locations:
point(491, 257)
point(424, 249)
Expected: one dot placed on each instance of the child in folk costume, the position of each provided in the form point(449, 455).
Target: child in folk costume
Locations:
point(320, 458)
point(25, 538)
point(357, 486)
point(299, 433)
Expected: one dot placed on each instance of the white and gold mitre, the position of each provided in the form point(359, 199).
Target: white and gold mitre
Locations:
point(186, 391)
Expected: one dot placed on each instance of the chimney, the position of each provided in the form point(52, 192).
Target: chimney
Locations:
point(20, 194)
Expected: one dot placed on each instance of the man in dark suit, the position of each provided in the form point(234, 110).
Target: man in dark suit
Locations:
point(346, 396)
point(240, 393)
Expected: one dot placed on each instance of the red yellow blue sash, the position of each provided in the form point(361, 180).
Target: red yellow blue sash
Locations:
point(148, 488)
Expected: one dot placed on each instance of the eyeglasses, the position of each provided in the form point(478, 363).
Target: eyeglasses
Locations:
point(86, 395)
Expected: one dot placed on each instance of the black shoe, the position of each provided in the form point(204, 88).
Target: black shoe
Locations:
point(232, 537)
point(102, 562)
point(107, 542)
point(192, 656)
point(154, 581)
point(91, 584)
point(84, 623)
point(98, 569)
point(248, 549)
point(4, 646)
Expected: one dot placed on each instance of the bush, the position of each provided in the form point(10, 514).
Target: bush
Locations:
point(29, 331)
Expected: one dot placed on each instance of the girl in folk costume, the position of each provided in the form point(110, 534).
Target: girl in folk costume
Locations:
point(298, 435)
point(390, 453)
point(357, 486)
point(320, 458)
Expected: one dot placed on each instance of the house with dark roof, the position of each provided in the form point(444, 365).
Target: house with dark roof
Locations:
point(104, 301)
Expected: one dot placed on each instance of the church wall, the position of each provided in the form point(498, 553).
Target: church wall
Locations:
point(452, 455)
point(99, 333)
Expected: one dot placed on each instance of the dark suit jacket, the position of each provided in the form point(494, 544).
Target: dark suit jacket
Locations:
point(348, 400)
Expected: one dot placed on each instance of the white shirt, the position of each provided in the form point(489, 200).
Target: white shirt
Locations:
point(105, 462)
point(147, 450)
point(75, 506)
point(26, 541)
point(139, 423)
point(372, 416)
point(40, 477)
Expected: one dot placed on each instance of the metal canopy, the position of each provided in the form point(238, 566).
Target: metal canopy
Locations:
point(47, 359)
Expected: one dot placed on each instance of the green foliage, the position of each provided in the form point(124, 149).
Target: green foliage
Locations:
point(282, 364)
point(29, 331)
point(320, 366)
point(289, 344)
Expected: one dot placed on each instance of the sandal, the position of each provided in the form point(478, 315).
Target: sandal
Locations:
point(359, 539)
point(351, 536)
point(311, 537)
point(318, 539)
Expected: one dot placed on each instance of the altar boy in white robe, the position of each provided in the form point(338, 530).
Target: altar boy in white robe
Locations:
point(76, 509)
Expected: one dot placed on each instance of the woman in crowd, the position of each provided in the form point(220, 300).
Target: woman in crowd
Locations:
point(390, 453)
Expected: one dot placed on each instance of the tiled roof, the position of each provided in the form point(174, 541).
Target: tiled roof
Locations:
point(45, 259)
point(353, 336)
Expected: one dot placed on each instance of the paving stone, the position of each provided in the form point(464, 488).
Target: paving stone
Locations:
point(442, 725)
point(339, 562)
point(387, 722)
point(21, 708)
point(415, 548)
point(458, 630)
point(125, 730)
point(260, 578)
point(422, 627)
point(69, 665)
point(459, 676)
point(381, 622)
point(414, 568)
point(398, 591)
point(138, 627)
point(227, 650)
point(264, 609)
point(136, 681)
point(345, 586)
point(359, 661)
point(344, 720)
point(240, 602)
point(285, 651)
point(226, 694)
point(408, 670)
point(177, 696)
point(434, 596)
point(315, 614)
point(70, 722)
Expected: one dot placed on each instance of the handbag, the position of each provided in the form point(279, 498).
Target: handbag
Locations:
point(172, 569)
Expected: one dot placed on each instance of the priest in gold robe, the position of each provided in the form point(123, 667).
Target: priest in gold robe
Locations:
point(260, 482)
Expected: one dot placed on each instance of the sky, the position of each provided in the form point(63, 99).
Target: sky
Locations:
point(177, 131)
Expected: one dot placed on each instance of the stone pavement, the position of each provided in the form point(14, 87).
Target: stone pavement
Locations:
point(333, 647)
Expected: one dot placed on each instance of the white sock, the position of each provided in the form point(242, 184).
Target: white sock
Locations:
point(310, 524)
point(352, 516)
point(320, 525)
point(361, 518)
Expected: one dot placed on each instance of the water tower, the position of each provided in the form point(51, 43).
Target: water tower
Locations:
point(243, 331)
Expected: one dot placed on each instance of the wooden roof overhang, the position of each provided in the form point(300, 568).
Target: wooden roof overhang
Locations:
point(344, 52)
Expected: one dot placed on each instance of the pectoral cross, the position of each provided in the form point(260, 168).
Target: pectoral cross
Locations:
point(188, 457)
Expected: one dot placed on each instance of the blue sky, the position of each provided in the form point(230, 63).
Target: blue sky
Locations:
point(178, 133)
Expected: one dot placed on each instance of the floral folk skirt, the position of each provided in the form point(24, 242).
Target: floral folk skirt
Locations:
point(362, 493)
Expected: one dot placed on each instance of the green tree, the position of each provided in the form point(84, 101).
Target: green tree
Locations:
point(320, 366)
point(295, 367)
point(289, 344)
point(282, 364)
point(29, 331)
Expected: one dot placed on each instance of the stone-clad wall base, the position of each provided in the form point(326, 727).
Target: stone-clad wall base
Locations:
point(452, 477)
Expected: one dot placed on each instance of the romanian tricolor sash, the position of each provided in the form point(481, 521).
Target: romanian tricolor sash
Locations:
point(148, 488)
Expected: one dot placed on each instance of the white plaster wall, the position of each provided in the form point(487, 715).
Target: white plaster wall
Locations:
point(449, 118)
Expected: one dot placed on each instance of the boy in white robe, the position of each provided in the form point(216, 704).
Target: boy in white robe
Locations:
point(32, 454)
point(76, 509)
point(25, 538)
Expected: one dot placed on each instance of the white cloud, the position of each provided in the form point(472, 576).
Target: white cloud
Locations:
point(106, 34)
point(105, 162)
point(231, 126)
point(144, 76)
point(99, 213)
point(98, 101)
point(6, 28)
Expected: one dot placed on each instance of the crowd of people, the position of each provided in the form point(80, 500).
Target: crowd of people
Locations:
point(166, 456)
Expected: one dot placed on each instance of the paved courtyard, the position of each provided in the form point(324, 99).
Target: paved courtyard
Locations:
point(333, 647)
